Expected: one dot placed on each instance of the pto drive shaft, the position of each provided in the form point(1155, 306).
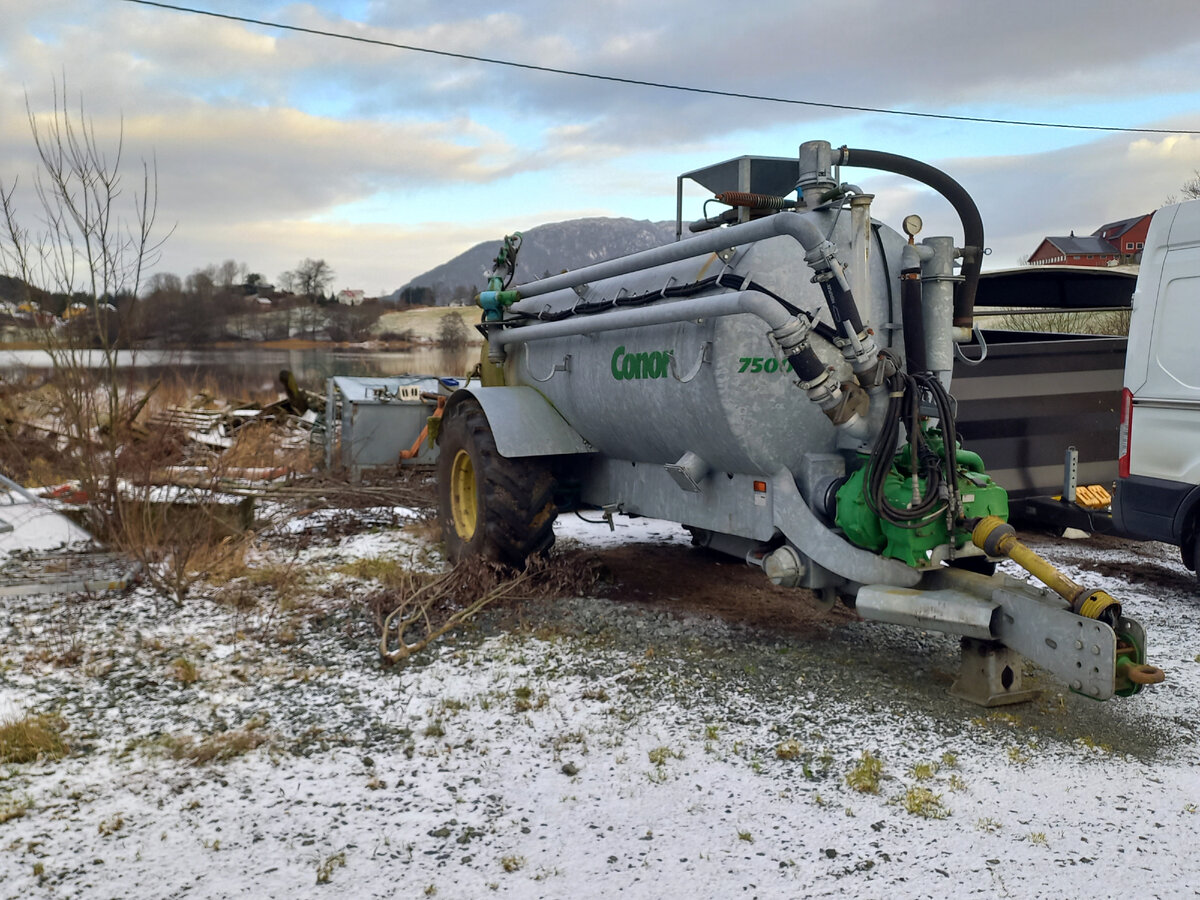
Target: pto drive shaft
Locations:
point(997, 538)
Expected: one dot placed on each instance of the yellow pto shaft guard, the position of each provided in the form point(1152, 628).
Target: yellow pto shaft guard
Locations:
point(997, 538)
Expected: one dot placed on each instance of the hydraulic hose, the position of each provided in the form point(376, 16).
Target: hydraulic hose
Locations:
point(843, 308)
point(914, 321)
point(968, 214)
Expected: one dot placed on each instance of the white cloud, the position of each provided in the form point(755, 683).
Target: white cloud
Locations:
point(252, 126)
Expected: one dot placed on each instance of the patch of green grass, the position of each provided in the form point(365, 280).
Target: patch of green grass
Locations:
point(865, 775)
point(1017, 756)
point(922, 771)
point(1038, 837)
point(988, 825)
point(32, 738)
point(660, 755)
point(512, 863)
point(745, 836)
point(524, 699)
point(920, 801)
point(435, 729)
point(950, 760)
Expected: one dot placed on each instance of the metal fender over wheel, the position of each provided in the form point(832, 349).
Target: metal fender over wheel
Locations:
point(489, 505)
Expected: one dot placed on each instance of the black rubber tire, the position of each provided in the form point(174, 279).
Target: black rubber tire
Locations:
point(514, 498)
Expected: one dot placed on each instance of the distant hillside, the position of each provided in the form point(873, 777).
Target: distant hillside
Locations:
point(544, 249)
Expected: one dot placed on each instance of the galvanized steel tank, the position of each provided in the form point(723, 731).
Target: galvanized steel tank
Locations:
point(718, 386)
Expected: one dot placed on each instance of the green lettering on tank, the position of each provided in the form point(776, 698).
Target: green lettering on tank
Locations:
point(753, 365)
point(639, 366)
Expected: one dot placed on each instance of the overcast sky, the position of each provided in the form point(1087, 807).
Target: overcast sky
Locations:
point(272, 146)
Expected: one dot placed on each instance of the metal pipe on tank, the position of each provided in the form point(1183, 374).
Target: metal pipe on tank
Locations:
point(801, 226)
point(937, 283)
point(816, 167)
point(728, 304)
point(860, 244)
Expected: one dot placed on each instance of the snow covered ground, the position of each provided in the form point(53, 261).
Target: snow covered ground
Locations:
point(597, 748)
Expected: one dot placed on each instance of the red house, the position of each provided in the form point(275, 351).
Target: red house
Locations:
point(1109, 245)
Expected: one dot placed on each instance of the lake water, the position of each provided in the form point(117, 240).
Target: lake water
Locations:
point(251, 370)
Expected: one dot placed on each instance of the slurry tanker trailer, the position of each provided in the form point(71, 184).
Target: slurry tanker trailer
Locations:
point(779, 383)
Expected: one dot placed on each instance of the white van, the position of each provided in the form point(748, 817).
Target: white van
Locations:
point(1158, 488)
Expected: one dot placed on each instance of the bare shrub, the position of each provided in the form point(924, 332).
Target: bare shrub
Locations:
point(419, 608)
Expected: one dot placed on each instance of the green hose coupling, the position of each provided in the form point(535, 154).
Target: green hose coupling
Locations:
point(495, 302)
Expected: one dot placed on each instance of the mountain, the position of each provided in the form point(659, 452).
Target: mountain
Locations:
point(544, 249)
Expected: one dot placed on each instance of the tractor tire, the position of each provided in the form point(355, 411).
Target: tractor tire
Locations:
point(490, 506)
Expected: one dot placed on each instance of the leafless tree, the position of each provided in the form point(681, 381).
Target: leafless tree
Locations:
point(1189, 190)
point(94, 242)
point(1191, 187)
point(230, 273)
point(309, 279)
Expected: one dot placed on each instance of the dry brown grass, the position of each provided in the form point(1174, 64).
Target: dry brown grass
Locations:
point(389, 572)
point(218, 747)
point(184, 670)
point(261, 444)
point(32, 738)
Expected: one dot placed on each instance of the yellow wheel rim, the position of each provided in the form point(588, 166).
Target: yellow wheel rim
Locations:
point(464, 505)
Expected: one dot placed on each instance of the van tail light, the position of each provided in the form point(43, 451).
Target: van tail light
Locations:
point(1126, 434)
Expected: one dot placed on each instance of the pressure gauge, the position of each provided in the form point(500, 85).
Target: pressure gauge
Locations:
point(912, 225)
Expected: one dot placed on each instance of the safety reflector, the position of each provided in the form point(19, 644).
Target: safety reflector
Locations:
point(760, 487)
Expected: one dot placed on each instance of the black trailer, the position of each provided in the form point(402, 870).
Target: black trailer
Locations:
point(1039, 394)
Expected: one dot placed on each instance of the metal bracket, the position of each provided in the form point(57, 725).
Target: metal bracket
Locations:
point(990, 675)
point(1080, 651)
point(705, 356)
point(1070, 474)
point(611, 509)
point(564, 366)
